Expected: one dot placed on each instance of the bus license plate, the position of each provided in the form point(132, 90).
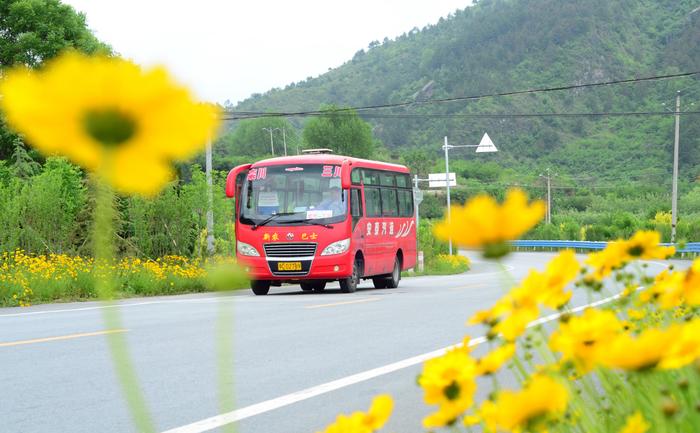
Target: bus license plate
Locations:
point(289, 266)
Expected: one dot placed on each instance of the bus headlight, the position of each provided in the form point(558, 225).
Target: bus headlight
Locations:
point(336, 247)
point(246, 249)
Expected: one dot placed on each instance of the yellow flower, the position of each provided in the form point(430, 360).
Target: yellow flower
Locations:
point(541, 399)
point(582, 338)
point(109, 116)
point(645, 245)
point(636, 314)
point(691, 284)
point(360, 422)
point(685, 348)
point(449, 381)
point(614, 256)
point(642, 352)
point(481, 222)
point(667, 290)
point(493, 361)
point(635, 424)
point(560, 272)
point(519, 308)
point(446, 414)
point(379, 412)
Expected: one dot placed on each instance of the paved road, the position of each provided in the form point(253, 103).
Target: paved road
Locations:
point(284, 343)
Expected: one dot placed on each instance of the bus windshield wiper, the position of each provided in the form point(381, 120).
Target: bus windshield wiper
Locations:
point(270, 218)
point(311, 222)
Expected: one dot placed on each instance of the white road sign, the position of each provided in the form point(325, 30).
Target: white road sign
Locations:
point(486, 145)
point(437, 180)
point(417, 196)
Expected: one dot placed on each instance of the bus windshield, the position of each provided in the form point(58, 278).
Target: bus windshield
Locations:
point(298, 193)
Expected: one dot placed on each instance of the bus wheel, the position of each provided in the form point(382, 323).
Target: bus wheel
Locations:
point(379, 282)
point(307, 287)
point(319, 286)
point(349, 284)
point(393, 281)
point(260, 287)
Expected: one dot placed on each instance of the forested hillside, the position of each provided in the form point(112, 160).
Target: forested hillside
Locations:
point(502, 45)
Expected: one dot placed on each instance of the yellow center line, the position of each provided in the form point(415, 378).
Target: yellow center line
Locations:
point(61, 337)
point(357, 301)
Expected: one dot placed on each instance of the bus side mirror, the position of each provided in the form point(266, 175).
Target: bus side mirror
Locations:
point(346, 167)
point(231, 187)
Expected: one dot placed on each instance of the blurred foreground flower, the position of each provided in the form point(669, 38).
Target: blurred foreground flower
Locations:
point(543, 399)
point(224, 274)
point(126, 125)
point(361, 422)
point(635, 424)
point(109, 116)
point(482, 223)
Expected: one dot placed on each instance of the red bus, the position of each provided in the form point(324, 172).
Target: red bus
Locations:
point(318, 217)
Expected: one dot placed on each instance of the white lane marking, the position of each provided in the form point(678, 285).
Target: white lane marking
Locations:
point(217, 421)
point(68, 310)
point(133, 304)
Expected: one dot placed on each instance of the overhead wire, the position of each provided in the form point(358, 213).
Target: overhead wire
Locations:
point(236, 115)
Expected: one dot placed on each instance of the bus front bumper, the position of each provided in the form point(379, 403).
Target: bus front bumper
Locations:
point(333, 267)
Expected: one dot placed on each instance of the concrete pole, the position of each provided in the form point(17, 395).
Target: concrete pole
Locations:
point(674, 199)
point(549, 197)
point(272, 143)
point(447, 183)
point(284, 139)
point(416, 206)
point(210, 202)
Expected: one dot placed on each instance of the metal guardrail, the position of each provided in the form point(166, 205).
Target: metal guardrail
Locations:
point(690, 247)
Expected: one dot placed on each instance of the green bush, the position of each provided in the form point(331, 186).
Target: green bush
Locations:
point(428, 243)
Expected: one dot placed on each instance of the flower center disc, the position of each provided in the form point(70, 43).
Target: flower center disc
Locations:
point(110, 126)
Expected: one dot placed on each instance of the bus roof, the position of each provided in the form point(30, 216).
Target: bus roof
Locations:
point(330, 159)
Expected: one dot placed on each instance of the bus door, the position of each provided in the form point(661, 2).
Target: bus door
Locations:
point(357, 216)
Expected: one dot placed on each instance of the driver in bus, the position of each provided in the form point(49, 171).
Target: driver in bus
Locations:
point(333, 202)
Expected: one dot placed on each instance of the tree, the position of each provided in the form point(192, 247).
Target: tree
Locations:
point(33, 31)
point(418, 160)
point(342, 131)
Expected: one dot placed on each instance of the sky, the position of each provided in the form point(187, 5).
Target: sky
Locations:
point(230, 49)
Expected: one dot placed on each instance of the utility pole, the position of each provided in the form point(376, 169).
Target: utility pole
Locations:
point(674, 199)
point(284, 139)
point(447, 182)
point(210, 202)
point(272, 142)
point(549, 195)
point(417, 199)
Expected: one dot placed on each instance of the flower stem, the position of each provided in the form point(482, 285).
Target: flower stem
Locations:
point(103, 235)
point(225, 358)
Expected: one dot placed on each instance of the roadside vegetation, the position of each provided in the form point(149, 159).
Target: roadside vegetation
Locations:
point(437, 260)
point(627, 363)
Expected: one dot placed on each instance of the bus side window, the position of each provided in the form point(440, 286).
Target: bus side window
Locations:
point(389, 207)
point(405, 203)
point(373, 204)
point(355, 206)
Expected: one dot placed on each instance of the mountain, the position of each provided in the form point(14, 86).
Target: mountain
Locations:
point(503, 45)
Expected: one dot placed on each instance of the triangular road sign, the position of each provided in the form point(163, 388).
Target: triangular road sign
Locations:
point(486, 145)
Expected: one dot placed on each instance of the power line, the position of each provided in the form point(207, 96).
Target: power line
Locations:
point(252, 114)
point(482, 115)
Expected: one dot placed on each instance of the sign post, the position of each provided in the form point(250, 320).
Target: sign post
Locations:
point(485, 145)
